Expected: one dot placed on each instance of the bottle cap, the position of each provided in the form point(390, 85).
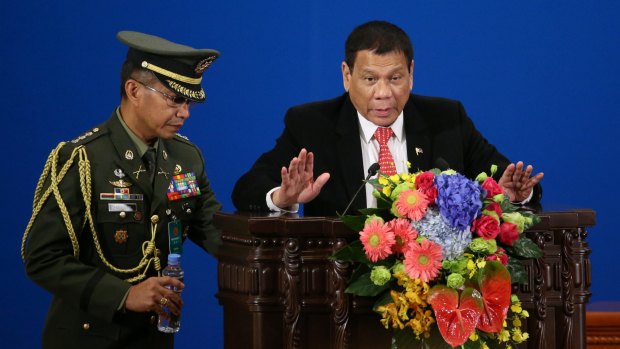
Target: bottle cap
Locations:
point(174, 259)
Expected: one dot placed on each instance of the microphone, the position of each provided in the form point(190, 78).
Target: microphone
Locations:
point(442, 164)
point(372, 170)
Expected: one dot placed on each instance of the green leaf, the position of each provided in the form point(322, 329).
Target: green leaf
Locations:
point(363, 286)
point(526, 248)
point(533, 217)
point(435, 171)
point(353, 252)
point(471, 345)
point(383, 299)
point(517, 271)
point(507, 206)
point(381, 212)
point(355, 223)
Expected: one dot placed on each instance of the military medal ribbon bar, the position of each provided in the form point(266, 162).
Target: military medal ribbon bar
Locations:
point(183, 186)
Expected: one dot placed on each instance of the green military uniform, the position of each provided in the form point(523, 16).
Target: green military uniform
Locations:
point(100, 224)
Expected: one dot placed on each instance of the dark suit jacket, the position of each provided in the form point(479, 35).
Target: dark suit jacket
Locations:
point(86, 292)
point(330, 129)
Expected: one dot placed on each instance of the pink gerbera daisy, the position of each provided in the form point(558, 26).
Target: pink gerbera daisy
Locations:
point(377, 239)
point(412, 204)
point(423, 261)
point(403, 233)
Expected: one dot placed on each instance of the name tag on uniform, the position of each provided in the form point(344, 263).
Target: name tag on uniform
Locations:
point(121, 207)
point(175, 236)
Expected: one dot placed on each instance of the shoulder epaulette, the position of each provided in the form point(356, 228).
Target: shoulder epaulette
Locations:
point(87, 136)
point(183, 139)
point(181, 136)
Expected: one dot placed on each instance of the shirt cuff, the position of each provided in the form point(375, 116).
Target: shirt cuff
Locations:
point(273, 207)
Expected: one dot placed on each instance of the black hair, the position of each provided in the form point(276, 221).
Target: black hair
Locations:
point(380, 37)
point(129, 70)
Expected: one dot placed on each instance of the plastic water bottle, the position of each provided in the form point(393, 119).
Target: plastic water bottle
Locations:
point(170, 323)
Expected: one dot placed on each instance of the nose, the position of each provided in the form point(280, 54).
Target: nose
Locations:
point(383, 89)
point(183, 111)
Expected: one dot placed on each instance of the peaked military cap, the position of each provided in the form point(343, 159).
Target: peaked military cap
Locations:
point(177, 66)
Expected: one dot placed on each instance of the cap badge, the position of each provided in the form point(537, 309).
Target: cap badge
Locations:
point(204, 64)
point(128, 154)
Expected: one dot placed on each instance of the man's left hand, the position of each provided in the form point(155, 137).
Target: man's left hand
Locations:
point(517, 181)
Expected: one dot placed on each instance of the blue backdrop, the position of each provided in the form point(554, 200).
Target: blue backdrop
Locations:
point(539, 79)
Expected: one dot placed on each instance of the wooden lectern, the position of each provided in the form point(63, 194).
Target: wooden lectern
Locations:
point(279, 289)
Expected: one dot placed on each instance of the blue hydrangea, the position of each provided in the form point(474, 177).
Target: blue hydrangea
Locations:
point(458, 199)
point(433, 226)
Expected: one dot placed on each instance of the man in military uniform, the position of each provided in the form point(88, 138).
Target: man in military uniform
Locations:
point(113, 203)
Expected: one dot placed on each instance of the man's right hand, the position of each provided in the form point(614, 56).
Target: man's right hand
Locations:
point(148, 295)
point(298, 184)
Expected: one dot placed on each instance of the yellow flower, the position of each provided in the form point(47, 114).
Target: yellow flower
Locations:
point(480, 263)
point(383, 181)
point(503, 336)
point(387, 190)
point(395, 178)
point(471, 265)
point(517, 336)
point(524, 314)
point(516, 308)
point(473, 336)
point(483, 345)
point(516, 322)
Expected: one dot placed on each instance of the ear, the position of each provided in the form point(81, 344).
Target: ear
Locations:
point(346, 76)
point(132, 90)
point(411, 76)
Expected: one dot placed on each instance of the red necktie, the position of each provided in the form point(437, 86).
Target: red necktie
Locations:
point(386, 161)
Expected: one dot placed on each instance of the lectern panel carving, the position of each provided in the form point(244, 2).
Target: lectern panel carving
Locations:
point(277, 283)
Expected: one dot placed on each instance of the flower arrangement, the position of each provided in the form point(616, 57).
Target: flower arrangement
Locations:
point(440, 253)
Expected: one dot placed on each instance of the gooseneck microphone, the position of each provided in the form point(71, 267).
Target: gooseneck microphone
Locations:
point(372, 170)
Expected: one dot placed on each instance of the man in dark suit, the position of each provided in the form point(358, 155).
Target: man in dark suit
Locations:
point(114, 202)
point(336, 138)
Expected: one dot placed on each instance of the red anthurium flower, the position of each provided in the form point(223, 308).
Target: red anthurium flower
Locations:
point(456, 319)
point(495, 288)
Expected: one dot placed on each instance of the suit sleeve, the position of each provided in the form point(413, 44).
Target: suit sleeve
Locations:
point(480, 154)
point(250, 190)
point(49, 257)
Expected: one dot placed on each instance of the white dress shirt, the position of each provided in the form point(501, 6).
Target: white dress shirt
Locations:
point(370, 149)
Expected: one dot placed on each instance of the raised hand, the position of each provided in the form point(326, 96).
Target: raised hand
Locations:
point(298, 183)
point(517, 181)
